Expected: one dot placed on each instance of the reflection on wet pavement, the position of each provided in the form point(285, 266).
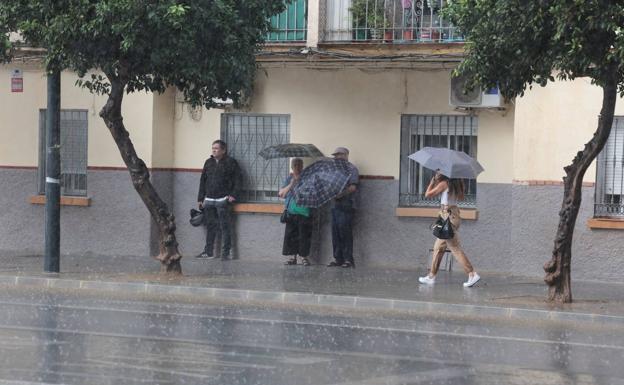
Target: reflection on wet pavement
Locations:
point(65, 338)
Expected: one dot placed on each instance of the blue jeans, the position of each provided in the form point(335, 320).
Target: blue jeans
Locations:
point(342, 234)
point(217, 218)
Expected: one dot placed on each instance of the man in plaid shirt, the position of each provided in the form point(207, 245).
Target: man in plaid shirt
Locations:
point(343, 210)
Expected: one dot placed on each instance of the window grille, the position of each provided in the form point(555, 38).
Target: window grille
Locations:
point(609, 197)
point(246, 135)
point(73, 152)
point(457, 132)
point(291, 24)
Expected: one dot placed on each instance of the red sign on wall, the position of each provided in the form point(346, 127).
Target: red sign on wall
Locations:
point(17, 81)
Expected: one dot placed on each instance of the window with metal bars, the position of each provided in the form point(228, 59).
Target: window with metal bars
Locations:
point(291, 24)
point(246, 135)
point(457, 132)
point(609, 197)
point(74, 125)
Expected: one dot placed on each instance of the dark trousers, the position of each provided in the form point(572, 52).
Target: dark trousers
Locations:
point(342, 234)
point(297, 236)
point(217, 218)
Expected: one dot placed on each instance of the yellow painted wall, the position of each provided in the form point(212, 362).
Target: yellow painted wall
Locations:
point(19, 119)
point(358, 109)
point(194, 132)
point(552, 124)
point(162, 136)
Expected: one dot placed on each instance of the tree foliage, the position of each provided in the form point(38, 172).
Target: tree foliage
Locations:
point(514, 44)
point(203, 47)
point(517, 43)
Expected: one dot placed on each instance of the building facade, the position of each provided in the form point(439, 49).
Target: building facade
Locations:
point(377, 83)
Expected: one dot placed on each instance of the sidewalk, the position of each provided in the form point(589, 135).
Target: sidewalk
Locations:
point(496, 295)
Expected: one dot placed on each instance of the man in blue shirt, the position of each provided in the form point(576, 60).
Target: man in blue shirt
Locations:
point(343, 211)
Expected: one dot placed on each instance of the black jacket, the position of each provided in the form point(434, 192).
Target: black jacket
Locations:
point(219, 179)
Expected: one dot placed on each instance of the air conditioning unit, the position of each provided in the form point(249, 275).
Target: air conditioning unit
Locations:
point(476, 98)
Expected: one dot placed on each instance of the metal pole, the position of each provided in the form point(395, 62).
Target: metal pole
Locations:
point(53, 174)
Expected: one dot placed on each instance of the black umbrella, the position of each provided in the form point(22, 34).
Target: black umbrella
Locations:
point(291, 150)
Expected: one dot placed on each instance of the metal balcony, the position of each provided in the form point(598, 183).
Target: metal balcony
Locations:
point(387, 21)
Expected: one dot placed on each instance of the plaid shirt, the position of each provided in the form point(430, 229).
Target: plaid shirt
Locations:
point(220, 179)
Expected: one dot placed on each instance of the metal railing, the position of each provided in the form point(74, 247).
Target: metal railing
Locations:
point(290, 25)
point(609, 197)
point(388, 21)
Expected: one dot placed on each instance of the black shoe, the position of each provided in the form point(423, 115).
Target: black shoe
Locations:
point(333, 264)
point(291, 261)
point(204, 255)
point(347, 265)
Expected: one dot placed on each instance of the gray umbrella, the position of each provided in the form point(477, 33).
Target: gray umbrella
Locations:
point(291, 150)
point(453, 164)
point(321, 181)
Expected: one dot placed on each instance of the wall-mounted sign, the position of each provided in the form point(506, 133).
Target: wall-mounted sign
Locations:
point(17, 81)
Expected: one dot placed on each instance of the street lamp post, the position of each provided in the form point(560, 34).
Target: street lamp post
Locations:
point(53, 175)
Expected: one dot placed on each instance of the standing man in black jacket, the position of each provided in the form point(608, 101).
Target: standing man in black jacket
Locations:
point(219, 187)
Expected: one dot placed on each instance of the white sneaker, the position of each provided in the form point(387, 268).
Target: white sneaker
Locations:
point(472, 280)
point(426, 280)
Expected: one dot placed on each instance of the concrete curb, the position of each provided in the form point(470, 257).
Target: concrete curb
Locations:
point(344, 301)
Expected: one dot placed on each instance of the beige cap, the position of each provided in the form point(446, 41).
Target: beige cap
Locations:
point(340, 150)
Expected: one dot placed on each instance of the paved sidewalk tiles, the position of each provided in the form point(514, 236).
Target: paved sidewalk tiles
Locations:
point(497, 295)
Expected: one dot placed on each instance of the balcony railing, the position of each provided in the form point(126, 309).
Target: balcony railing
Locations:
point(290, 25)
point(388, 21)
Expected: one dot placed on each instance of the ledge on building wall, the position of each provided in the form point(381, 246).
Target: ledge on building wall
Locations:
point(65, 200)
point(605, 223)
point(263, 208)
point(432, 212)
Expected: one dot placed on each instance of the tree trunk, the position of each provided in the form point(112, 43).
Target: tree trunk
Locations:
point(558, 268)
point(169, 256)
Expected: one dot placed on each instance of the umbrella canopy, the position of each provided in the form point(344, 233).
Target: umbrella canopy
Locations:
point(291, 150)
point(453, 164)
point(321, 181)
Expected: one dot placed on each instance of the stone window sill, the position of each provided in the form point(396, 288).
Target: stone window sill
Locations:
point(605, 223)
point(65, 200)
point(261, 208)
point(432, 212)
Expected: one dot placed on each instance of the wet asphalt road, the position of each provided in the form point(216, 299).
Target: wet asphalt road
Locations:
point(57, 337)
